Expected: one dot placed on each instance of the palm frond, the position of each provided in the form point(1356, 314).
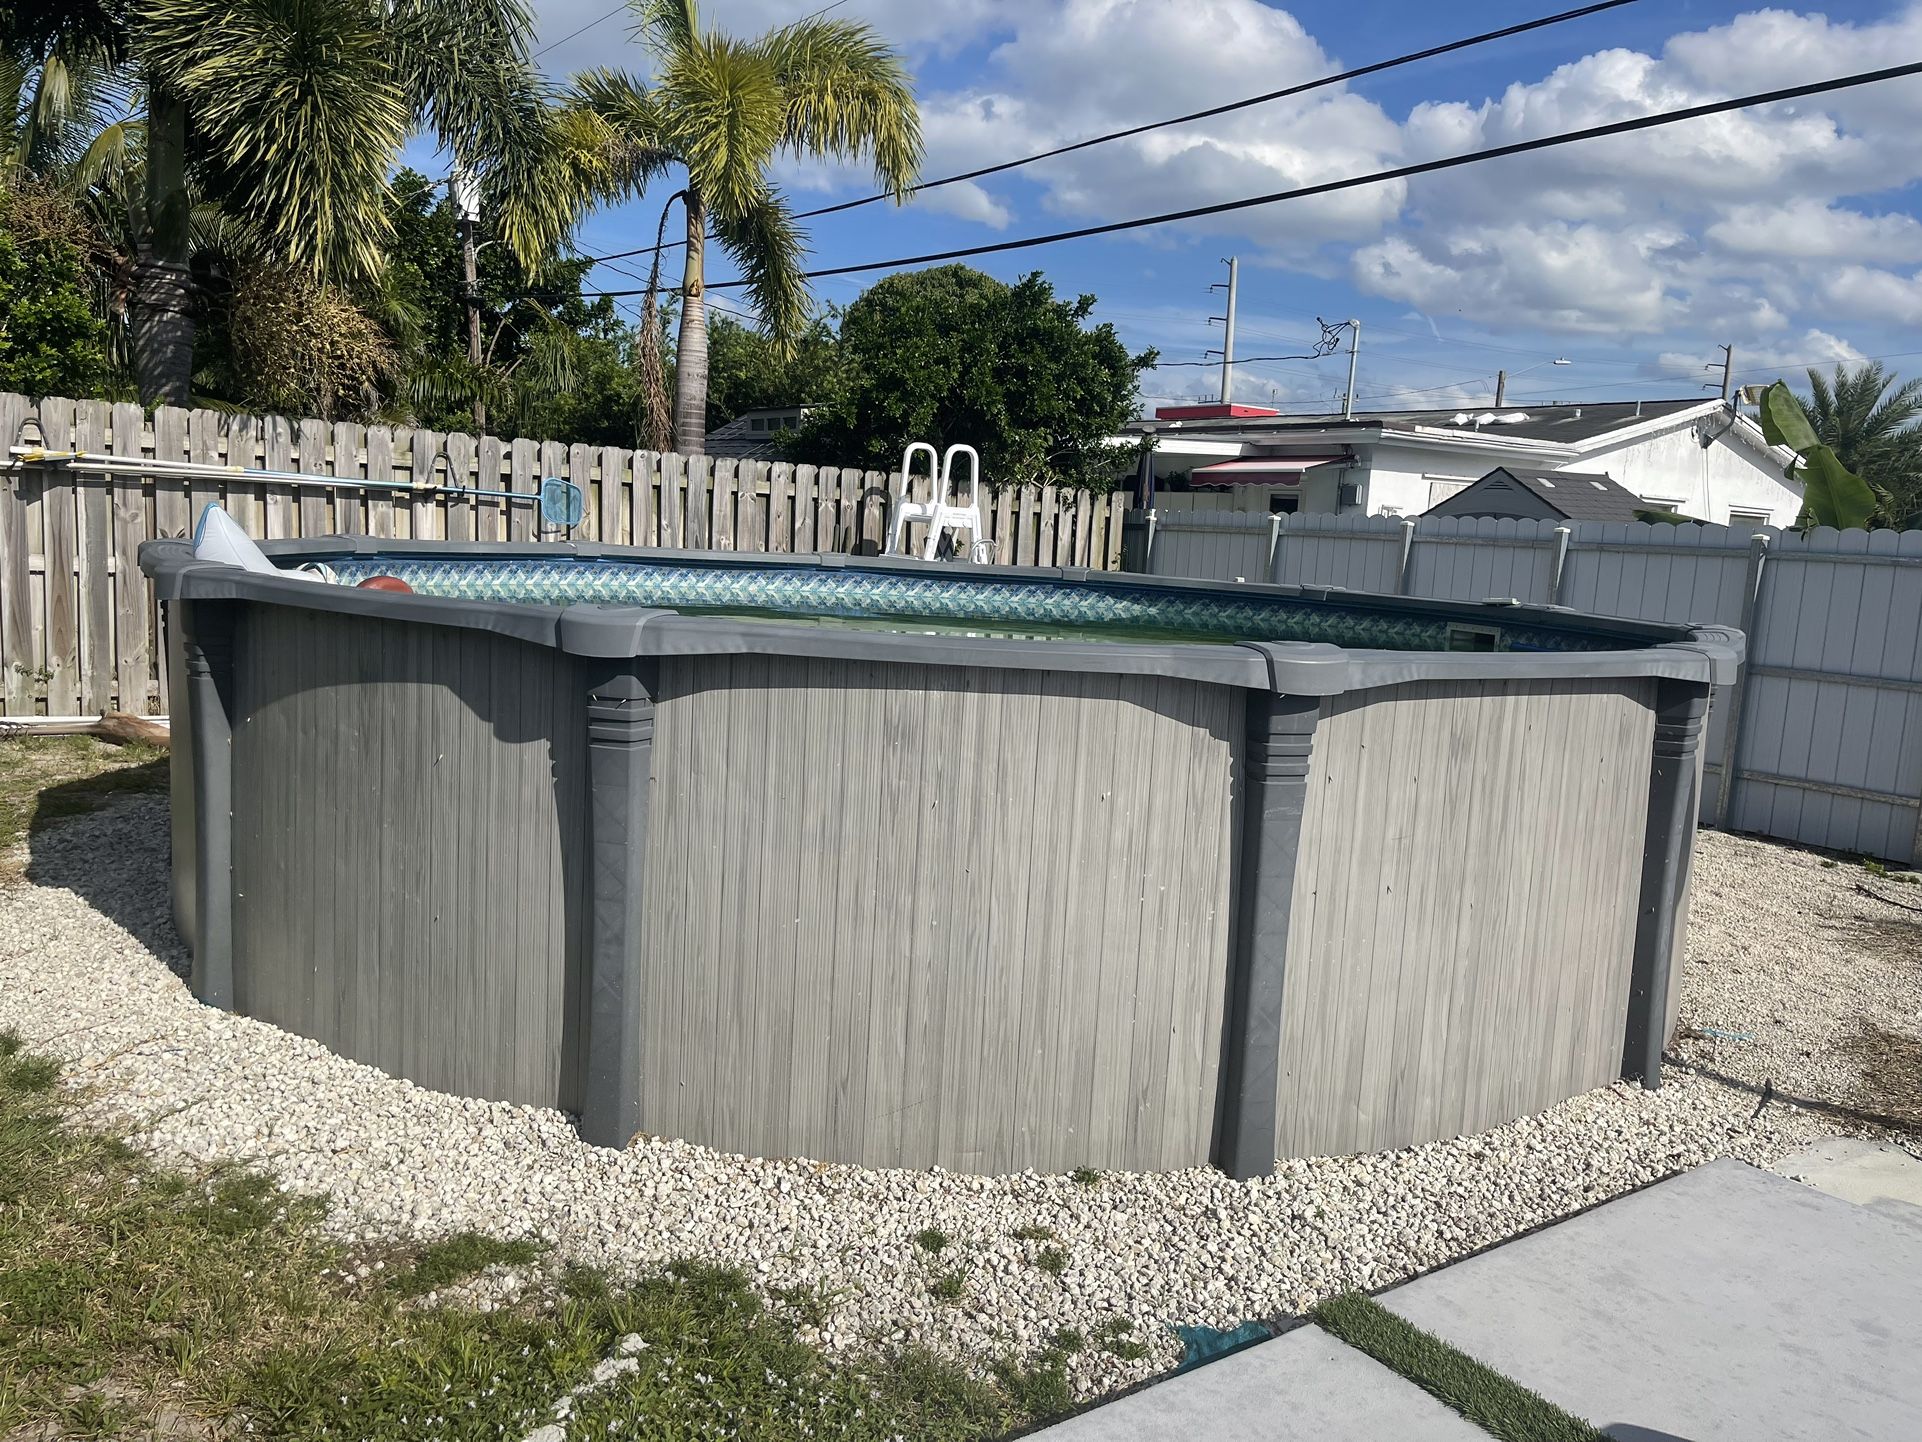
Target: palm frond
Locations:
point(725, 118)
point(548, 366)
point(112, 156)
point(233, 240)
point(464, 67)
point(33, 29)
point(848, 96)
point(537, 191)
point(665, 26)
point(450, 382)
point(765, 243)
point(624, 101)
point(298, 114)
point(55, 108)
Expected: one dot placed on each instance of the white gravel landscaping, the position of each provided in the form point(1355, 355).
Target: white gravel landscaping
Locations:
point(197, 1085)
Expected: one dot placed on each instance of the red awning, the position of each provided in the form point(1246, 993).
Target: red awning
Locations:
point(1258, 471)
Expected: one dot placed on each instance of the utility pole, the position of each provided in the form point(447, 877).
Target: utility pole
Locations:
point(466, 195)
point(1228, 328)
point(1501, 388)
point(1728, 369)
point(1354, 347)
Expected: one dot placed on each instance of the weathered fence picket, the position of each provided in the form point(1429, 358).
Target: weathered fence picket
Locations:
point(79, 629)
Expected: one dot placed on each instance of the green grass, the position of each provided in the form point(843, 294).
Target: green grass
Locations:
point(128, 1288)
point(932, 1240)
point(1086, 1177)
point(1041, 1388)
point(43, 778)
point(457, 1257)
point(1500, 1407)
point(1112, 1337)
point(1051, 1260)
point(948, 1286)
point(1033, 1234)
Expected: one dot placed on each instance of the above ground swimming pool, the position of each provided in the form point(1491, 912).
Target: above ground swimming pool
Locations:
point(908, 864)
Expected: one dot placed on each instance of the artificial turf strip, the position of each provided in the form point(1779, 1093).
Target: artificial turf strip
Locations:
point(1500, 1407)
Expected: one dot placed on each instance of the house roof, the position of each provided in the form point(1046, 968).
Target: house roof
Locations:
point(1551, 424)
point(1575, 495)
point(1263, 470)
point(742, 439)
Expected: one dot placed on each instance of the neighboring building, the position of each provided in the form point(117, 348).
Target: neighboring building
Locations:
point(755, 435)
point(1514, 493)
point(1697, 457)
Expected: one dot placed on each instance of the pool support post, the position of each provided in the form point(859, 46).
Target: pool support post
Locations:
point(1274, 768)
point(620, 763)
point(207, 650)
point(1672, 802)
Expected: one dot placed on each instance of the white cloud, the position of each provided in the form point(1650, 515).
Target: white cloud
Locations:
point(1554, 275)
point(1795, 353)
point(1083, 67)
point(1804, 228)
point(1777, 229)
point(966, 201)
point(1729, 225)
point(1870, 294)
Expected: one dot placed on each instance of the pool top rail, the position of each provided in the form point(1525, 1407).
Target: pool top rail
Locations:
point(1627, 648)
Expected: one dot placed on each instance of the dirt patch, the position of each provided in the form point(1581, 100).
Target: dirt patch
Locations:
point(1890, 1063)
point(1804, 976)
point(46, 778)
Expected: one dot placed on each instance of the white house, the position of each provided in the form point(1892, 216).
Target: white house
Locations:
point(1699, 457)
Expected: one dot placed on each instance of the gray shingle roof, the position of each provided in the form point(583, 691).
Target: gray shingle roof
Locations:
point(1576, 495)
point(1564, 424)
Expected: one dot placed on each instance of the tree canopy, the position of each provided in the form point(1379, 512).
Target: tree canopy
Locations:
point(951, 355)
point(1874, 427)
point(747, 369)
point(51, 340)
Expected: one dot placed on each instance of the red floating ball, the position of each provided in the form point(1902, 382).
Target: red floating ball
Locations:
point(385, 583)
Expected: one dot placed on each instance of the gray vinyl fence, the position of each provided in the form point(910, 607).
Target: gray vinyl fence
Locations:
point(1820, 738)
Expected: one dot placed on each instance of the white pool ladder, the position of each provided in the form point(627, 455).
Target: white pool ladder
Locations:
point(939, 513)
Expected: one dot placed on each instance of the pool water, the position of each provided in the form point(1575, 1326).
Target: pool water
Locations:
point(1131, 631)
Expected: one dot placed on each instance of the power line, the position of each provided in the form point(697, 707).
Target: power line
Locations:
point(1402, 172)
point(556, 44)
point(1456, 385)
point(1233, 105)
point(1301, 89)
point(1318, 350)
point(1241, 360)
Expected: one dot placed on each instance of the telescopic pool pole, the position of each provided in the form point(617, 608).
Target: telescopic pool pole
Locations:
point(100, 463)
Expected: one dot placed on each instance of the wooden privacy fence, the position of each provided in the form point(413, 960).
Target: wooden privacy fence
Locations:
point(1820, 738)
point(79, 626)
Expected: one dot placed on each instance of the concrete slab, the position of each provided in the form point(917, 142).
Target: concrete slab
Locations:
point(1723, 1304)
point(1302, 1387)
point(1856, 1170)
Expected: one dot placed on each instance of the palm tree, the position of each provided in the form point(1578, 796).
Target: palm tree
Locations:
point(66, 117)
point(723, 110)
point(288, 116)
point(1874, 431)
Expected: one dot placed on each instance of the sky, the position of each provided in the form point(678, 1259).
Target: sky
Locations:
point(1792, 233)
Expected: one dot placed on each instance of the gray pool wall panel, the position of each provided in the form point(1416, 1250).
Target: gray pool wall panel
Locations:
point(1464, 914)
point(966, 917)
point(894, 899)
point(409, 835)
